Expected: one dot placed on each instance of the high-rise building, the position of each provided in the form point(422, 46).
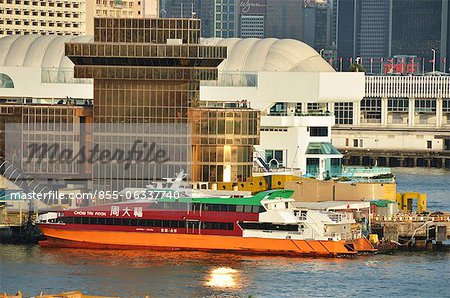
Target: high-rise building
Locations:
point(147, 72)
point(119, 9)
point(416, 28)
point(284, 19)
point(241, 18)
point(225, 18)
point(43, 17)
point(201, 9)
point(445, 37)
point(362, 30)
point(346, 29)
point(316, 26)
point(179, 8)
point(252, 18)
point(69, 17)
point(375, 30)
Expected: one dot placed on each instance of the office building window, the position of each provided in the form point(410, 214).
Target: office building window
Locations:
point(425, 105)
point(343, 112)
point(446, 106)
point(371, 110)
point(398, 105)
point(318, 131)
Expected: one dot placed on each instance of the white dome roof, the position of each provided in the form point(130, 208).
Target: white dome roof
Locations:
point(45, 51)
point(244, 55)
point(269, 54)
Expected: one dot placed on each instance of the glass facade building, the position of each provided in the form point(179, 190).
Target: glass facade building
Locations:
point(147, 73)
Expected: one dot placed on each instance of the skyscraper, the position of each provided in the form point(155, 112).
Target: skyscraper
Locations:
point(445, 37)
point(379, 29)
point(252, 18)
point(374, 20)
point(346, 14)
point(70, 17)
point(316, 26)
point(416, 28)
point(284, 19)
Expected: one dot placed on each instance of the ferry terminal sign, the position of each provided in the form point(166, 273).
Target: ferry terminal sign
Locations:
point(253, 6)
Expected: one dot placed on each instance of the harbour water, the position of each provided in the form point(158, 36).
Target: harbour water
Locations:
point(33, 269)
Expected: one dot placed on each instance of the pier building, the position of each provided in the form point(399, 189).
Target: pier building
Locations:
point(401, 121)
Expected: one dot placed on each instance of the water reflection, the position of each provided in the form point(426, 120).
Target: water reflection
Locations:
point(222, 277)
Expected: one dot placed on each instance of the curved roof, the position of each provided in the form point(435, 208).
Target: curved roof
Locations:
point(45, 51)
point(244, 55)
point(269, 54)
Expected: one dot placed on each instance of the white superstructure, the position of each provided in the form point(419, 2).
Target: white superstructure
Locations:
point(284, 221)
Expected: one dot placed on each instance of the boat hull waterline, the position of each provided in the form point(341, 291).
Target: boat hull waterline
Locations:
point(96, 239)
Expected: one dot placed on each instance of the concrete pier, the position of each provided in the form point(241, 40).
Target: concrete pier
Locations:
point(409, 159)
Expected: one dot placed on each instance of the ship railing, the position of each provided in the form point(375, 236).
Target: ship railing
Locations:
point(339, 217)
point(300, 232)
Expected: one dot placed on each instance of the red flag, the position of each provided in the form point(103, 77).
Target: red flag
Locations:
point(412, 60)
point(391, 60)
point(371, 59)
point(444, 60)
point(382, 59)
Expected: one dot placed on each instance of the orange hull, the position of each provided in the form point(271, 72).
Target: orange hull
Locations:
point(135, 240)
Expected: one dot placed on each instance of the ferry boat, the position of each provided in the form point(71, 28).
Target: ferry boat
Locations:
point(266, 223)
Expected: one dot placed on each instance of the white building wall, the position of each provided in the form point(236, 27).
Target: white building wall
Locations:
point(387, 140)
point(28, 83)
point(290, 134)
point(274, 87)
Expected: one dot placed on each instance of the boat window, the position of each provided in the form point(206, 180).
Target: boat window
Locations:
point(217, 225)
point(248, 208)
point(126, 222)
point(255, 209)
point(268, 226)
point(286, 205)
point(239, 208)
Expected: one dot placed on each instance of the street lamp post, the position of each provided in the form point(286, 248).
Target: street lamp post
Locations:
point(434, 60)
